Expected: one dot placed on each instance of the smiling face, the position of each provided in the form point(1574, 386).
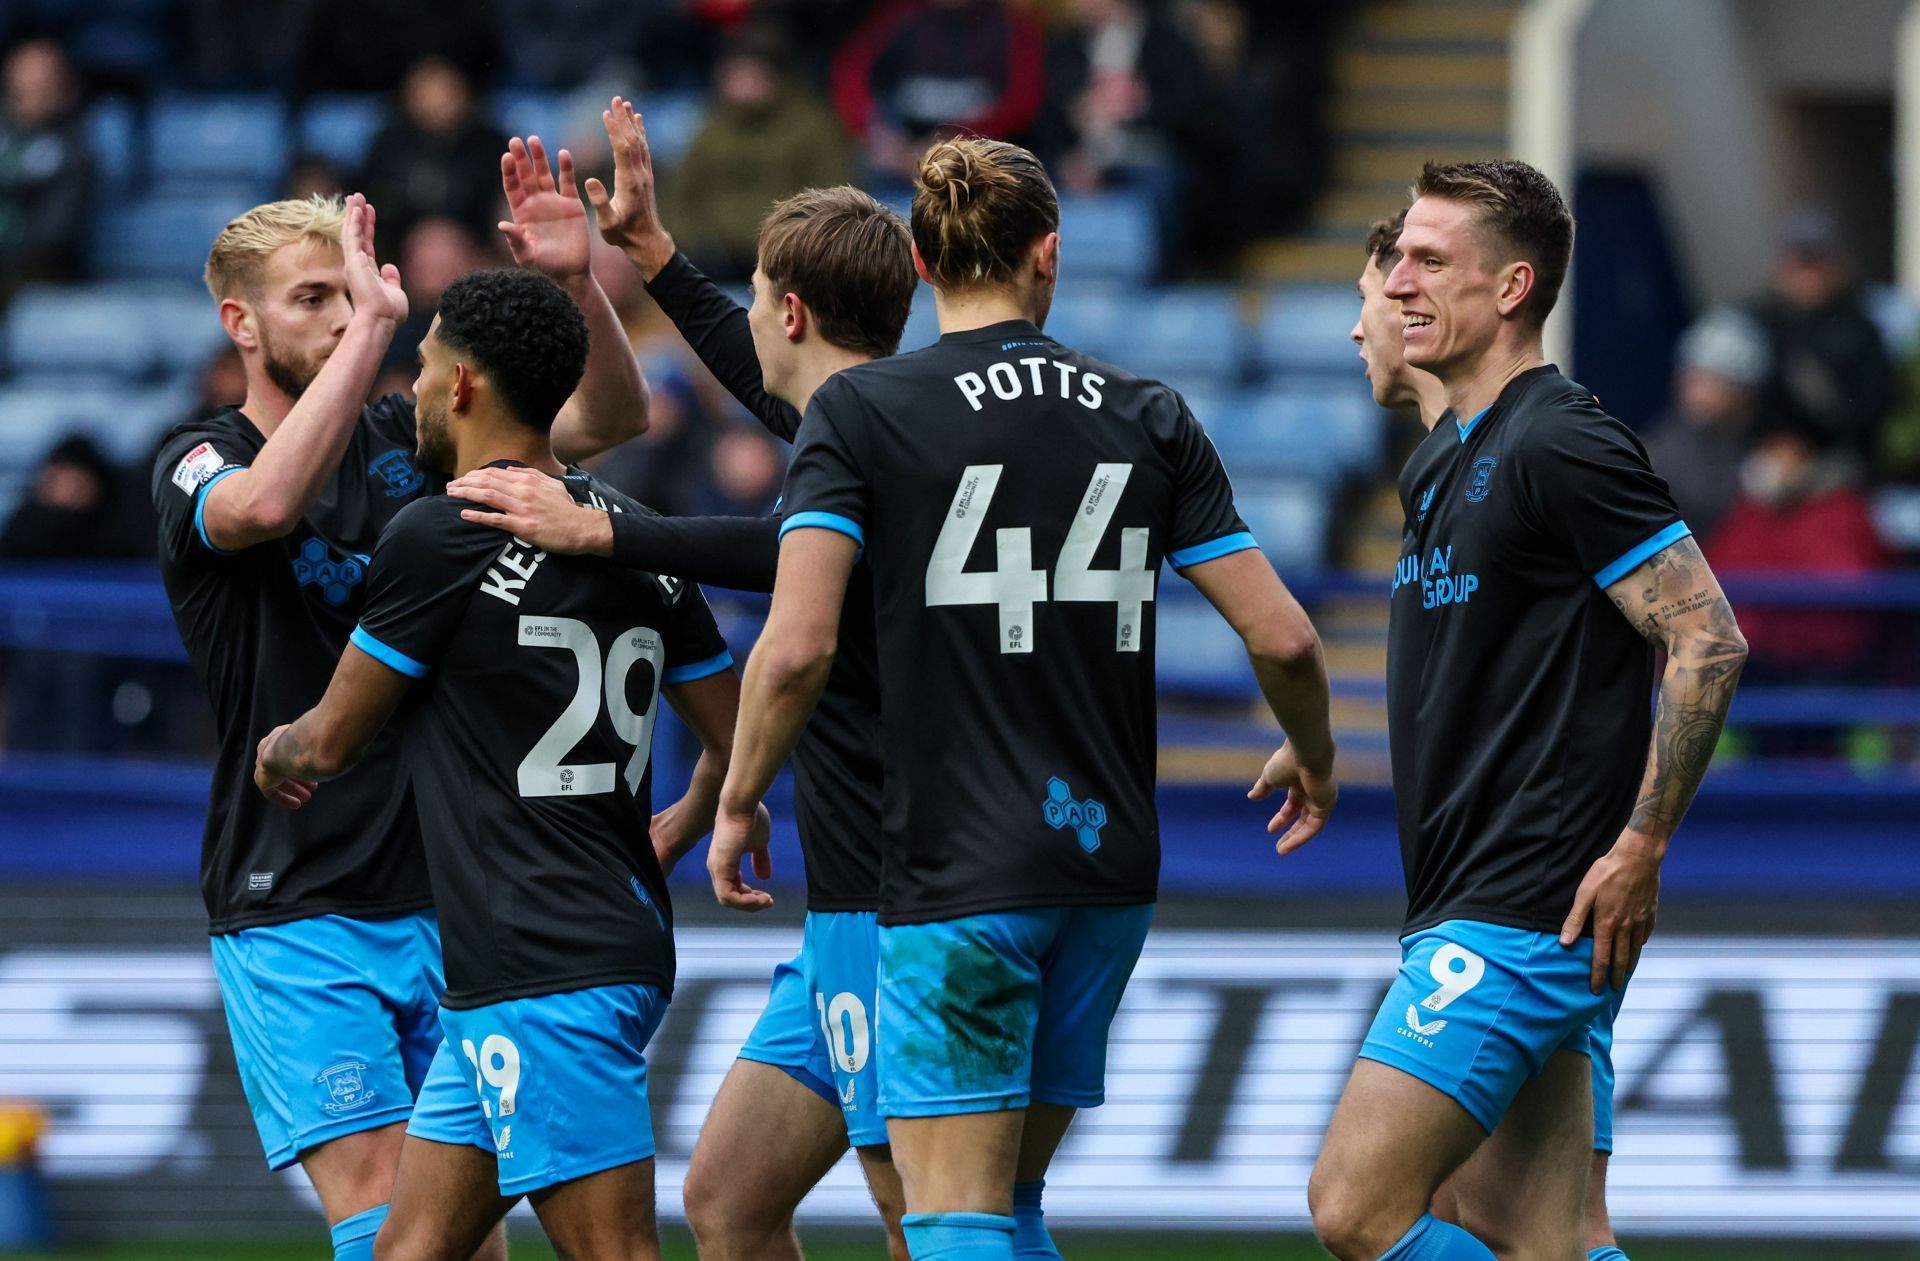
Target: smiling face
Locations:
point(1377, 334)
point(1454, 295)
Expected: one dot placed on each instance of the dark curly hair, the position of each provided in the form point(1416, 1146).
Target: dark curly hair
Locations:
point(524, 334)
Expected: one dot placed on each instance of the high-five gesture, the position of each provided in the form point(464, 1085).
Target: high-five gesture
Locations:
point(374, 290)
point(548, 231)
point(630, 218)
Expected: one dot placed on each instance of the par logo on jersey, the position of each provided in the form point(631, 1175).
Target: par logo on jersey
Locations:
point(1086, 818)
point(197, 467)
point(346, 1089)
point(397, 470)
point(1482, 474)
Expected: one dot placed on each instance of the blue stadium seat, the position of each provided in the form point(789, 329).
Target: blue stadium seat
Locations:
point(548, 115)
point(1305, 329)
point(1195, 650)
point(1187, 337)
point(1289, 517)
point(672, 121)
point(340, 127)
point(236, 137)
point(165, 236)
point(85, 331)
point(1112, 235)
point(1306, 431)
point(113, 136)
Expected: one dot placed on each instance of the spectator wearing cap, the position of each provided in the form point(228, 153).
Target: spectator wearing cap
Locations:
point(1723, 363)
point(765, 136)
point(46, 172)
point(1830, 368)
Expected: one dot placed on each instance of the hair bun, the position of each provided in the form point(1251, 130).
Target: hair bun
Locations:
point(947, 168)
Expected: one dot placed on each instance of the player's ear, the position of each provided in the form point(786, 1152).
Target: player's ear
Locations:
point(1046, 260)
point(793, 316)
point(919, 263)
point(237, 318)
point(464, 387)
point(1516, 282)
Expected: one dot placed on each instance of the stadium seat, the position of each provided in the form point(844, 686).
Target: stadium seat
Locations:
point(672, 121)
point(1187, 337)
point(1288, 515)
point(165, 236)
point(552, 116)
point(113, 136)
point(91, 331)
point(233, 137)
point(1111, 236)
point(1304, 431)
point(340, 127)
point(1196, 651)
point(1305, 328)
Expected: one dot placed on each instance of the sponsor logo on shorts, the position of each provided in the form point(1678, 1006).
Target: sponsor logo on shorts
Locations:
point(846, 1096)
point(1421, 1033)
point(347, 1090)
point(506, 1141)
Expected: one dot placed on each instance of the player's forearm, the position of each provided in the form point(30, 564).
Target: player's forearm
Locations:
point(1294, 682)
point(693, 814)
point(738, 553)
point(782, 684)
point(284, 480)
point(1703, 670)
point(610, 405)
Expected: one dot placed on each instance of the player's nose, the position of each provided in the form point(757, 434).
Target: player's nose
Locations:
point(1358, 336)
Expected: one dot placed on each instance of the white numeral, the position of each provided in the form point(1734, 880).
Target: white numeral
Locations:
point(503, 1077)
point(1014, 586)
point(844, 1021)
point(1454, 980)
point(1128, 587)
point(541, 772)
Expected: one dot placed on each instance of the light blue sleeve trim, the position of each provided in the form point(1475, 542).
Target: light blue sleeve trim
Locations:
point(390, 657)
point(825, 521)
point(698, 669)
point(1636, 556)
point(200, 510)
point(1199, 553)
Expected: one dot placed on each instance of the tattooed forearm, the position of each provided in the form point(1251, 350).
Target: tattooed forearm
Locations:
point(1675, 601)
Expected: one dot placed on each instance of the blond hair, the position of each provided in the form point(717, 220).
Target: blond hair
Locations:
point(980, 205)
point(243, 246)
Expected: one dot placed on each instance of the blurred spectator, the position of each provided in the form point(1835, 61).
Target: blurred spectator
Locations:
point(70, 511)
point(744, 474)
point(370, 45)
point(665, 468)
point(1830, 364)
point(437, 157)
point(765, 136)
point(1800, 512)
point(312, 175)
point(46, 173)
point(1698, 448)
point(919, 69)
point(560, 43)
point(434, 254)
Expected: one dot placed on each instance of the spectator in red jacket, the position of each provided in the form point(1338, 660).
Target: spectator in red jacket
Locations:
point(1800, 512)
point(920, 69)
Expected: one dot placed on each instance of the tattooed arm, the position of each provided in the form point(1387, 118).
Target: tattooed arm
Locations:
point(1676, 602)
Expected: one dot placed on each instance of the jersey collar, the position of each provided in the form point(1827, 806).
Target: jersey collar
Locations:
point(1004, 331)
point(1466, 427)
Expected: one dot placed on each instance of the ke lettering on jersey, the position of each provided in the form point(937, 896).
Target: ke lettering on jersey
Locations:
point(197, 467)
point(1042, 377)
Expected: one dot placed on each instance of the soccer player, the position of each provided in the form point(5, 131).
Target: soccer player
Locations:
point(529, 743)
point(1014, 500)
point(327, 954)
point(833, 287)
point(1539, 550)
point(1397, 384)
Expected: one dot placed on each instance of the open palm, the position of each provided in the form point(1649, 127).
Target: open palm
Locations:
point(548, 231)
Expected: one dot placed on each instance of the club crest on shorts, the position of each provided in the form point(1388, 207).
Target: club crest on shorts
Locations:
point(346, 1089)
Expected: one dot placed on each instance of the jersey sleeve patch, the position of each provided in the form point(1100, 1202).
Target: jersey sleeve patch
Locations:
point(197, 467)
point(200, 509)
point(1639, 554)
point(723, 660)
point(1200, 553)
point(387, 656)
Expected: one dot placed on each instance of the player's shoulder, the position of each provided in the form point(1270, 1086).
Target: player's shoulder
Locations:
point(1551, 413)
point(193, 452)
point(602, 494)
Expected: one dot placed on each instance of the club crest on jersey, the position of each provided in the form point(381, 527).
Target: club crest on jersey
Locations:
point(346, 1089)
point(1086, 818)
point(1482, 475)
point(315, 566)
point(396, 469)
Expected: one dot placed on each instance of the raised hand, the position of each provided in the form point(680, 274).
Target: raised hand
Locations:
point(374, 290)
point(535, 508)
point(630, 216)
point(548, 231)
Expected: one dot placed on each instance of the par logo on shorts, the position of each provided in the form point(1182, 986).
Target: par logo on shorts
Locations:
point(346, 1089)
point(196, 468)
point(396, 469)
point(1482, 474)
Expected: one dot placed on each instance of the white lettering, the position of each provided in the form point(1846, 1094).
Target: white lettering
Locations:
point(1011, 390)
point(1066, 378)
point(1090, 389)
point(1033, 366)
point(972, 386)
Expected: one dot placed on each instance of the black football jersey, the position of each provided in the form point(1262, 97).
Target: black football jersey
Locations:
point(1014, 500)
point(264, 627)
point(836, 764)
point(529, 739)
point(1519, 699)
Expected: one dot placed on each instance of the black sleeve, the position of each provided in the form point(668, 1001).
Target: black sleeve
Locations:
point(828, 483)
point(1206, 524)
point(716, 327)
point(738, 553)
point(695, 647)
point(186, 468)
point(424, 572)
point(1590, 488)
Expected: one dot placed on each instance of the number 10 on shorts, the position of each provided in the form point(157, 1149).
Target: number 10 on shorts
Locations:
point(844, 1021)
